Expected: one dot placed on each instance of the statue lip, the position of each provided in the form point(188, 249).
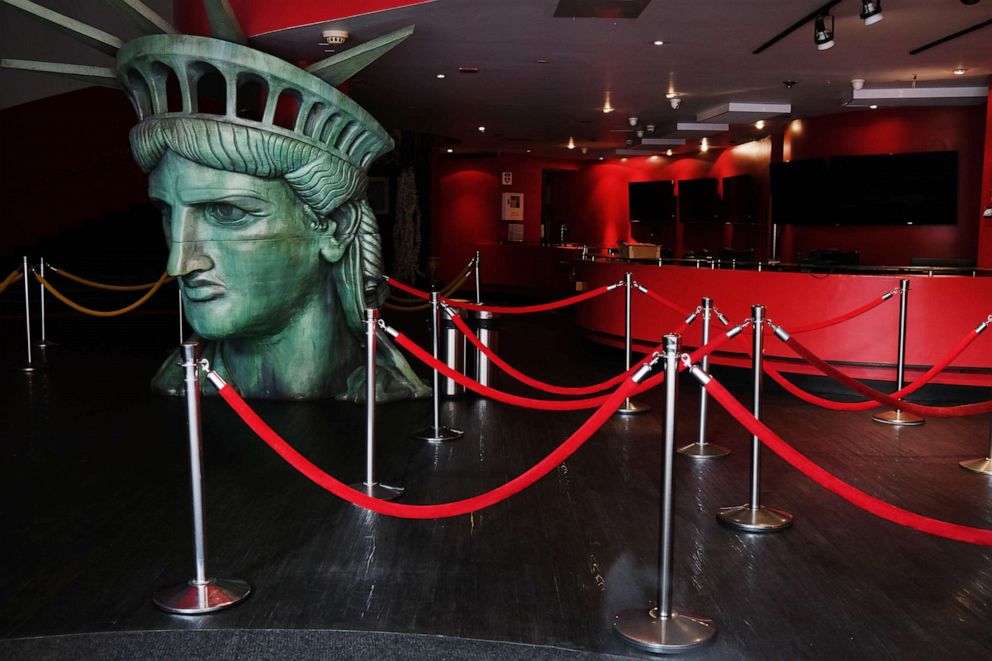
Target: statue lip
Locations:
point(202, 289)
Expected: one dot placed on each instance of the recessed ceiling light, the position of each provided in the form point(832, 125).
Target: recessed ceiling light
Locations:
point(653, 157)
point(659, 42)
point(601, 158)
point(482, 129)
point(440, 75)
point(760, 124)
point(542, 61)
point(623, 160)
point(671, 94)
point(528, 150)
point(704, 145)
point(668, 153)
point(571, 142)
point(959, 71)
point(873, 106)
point(449, 150)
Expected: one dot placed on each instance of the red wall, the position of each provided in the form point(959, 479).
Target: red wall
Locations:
point(467, 204)
point(898, 130)
point(985, 224)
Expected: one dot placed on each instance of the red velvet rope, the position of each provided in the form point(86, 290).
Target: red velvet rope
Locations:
point(541, 385)
point(870, 404)
point(834, 484)
point(881, 397)
point(543, 404)
point(664, 301)
point(526, 309)
point(456, 508)
point(413, 291)
point(857, 312)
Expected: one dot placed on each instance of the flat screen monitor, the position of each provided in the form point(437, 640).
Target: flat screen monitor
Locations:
point(739, 203)
point(895, 189)
point(698, 201)
point(799, 192)
point(651, 201)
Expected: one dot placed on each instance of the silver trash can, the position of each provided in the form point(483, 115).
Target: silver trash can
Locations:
point(486, 327)
point(453, 349)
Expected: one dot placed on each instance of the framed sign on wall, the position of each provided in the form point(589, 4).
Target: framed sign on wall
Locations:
point(513, 207)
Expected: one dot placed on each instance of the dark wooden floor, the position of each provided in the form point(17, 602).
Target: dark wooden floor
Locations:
point(95, 513)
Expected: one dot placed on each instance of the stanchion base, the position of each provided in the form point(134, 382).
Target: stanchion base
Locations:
point(754, 519)
point(32, 368)
point(438, 434)
point(898, 418)
point(679, 633)
point(983, 465)
point(191, 599)
point(631, 407)
point(378, 490)
point(704, 451)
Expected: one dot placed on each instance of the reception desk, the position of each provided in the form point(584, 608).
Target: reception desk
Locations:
point(941, 310)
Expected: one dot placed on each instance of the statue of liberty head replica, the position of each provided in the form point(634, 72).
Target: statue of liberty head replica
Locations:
point(260, 171)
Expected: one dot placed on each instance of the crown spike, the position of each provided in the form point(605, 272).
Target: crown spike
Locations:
point(223, 22)
point(143, 16)
point(339, 68)
point(87, 34)
point(91, 75)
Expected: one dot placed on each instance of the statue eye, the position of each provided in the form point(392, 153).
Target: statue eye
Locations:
point(224, 213)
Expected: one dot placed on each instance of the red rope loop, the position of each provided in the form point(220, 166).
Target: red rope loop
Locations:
point(832, 483)
point(664, 301)
point(526, 309)
point(889, 400)
point(856, 312)
point(535, 383)
point(413, 291)
point(444, 510)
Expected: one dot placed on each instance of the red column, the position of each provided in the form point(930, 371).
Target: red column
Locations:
point(984, 223)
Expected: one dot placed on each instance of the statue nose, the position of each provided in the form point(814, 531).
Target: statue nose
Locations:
point(187, 253)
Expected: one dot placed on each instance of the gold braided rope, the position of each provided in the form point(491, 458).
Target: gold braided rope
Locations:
point(15, 276)
point(452, 288)
point(447, 290)
point(100, 285)
point(102, 313)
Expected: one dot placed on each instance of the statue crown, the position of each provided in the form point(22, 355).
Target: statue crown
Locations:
point(174, 76)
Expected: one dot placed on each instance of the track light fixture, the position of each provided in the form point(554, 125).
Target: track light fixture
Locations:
point(823, 36)
point(871, 11)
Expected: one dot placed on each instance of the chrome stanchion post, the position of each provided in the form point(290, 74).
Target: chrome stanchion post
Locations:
point(983, 465)
point(630, 407)
point(26, 271)
point(663, 629)
point(43, 342)
point(437, 433)
point(201, 594)
point(478, 282)
point(701, 449)
point(898, 417)
point(182, 325)
point(753, 516)
point(371, 486)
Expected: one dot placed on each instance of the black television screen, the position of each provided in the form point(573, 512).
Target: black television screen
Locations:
point(698, 201)
point(895, 189)
point(651, 201)
point(799, 192)
point(739, 203)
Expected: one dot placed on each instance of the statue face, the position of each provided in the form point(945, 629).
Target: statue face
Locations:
point(242, 247)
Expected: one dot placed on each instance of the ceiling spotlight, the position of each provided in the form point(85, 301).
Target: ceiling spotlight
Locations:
point(601, 158)
point(959, 71)
point(571, 142)
point(871, 11)
point(632, 121)
point(671, 95)
point(760, 124)
point(857, 83)
point(668, 152)
point(639, 133)
point(704, 145)
point(440, 75)
point(607, 108)
point(449, 150)
point(650, 128)
point(676, 102)
point(585, 150)
point(482, 129)
point(873, 106)
point(659, 42)
point(823, 36)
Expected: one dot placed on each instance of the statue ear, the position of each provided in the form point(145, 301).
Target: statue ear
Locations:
point(331, 249)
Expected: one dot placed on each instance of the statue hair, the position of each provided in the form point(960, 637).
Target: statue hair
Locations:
point(329, 186)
